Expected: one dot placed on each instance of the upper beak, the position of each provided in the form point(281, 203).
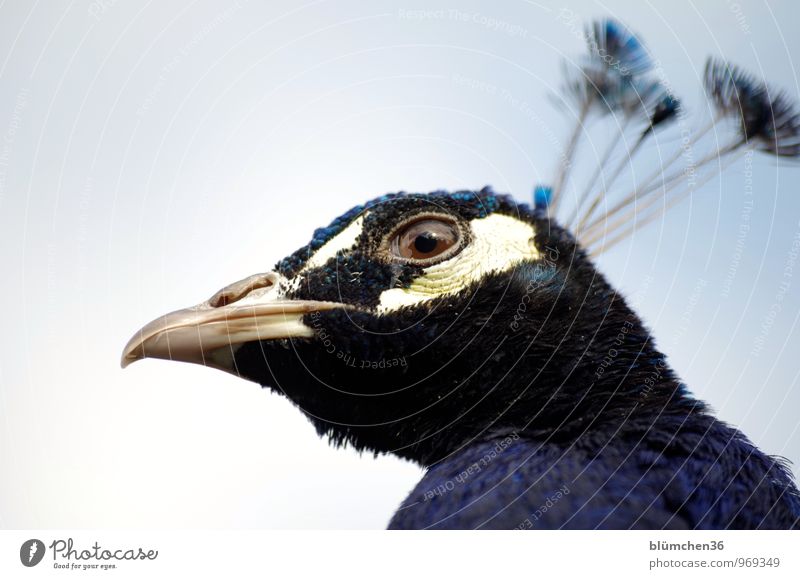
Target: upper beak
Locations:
point(211, 332)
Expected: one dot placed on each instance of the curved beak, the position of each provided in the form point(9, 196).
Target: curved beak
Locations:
point(210, 333)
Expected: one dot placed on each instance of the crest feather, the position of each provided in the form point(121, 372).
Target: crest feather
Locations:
point(615, 79)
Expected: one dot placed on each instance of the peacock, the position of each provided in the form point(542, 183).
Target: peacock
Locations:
point(472, 333)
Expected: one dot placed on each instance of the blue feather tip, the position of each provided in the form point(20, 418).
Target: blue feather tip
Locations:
point(542, 195)
point(619, 48)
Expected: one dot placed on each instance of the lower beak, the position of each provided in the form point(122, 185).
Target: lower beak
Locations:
point(249, 310)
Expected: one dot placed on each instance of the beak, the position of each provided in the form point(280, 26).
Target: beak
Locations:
point(210, 333)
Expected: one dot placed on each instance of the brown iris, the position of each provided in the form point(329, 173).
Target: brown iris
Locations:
point(426, 239)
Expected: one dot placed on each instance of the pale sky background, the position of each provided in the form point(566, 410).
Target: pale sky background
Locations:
point(151, 153)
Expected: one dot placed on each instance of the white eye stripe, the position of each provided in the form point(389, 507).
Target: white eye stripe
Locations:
point(342, 241)
point(499, 243)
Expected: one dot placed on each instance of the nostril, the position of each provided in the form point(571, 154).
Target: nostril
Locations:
point(224, 297)
point(236, 291)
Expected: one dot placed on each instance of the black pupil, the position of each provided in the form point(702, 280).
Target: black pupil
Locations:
point(425, 242)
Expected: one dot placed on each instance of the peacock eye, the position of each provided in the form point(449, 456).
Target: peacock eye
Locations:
point(426, 240)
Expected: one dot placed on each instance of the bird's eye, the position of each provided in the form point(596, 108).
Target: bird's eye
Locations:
point(426, 240)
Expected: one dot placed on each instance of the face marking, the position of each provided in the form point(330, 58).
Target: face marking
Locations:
point(499, 243)
point(342, 241)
